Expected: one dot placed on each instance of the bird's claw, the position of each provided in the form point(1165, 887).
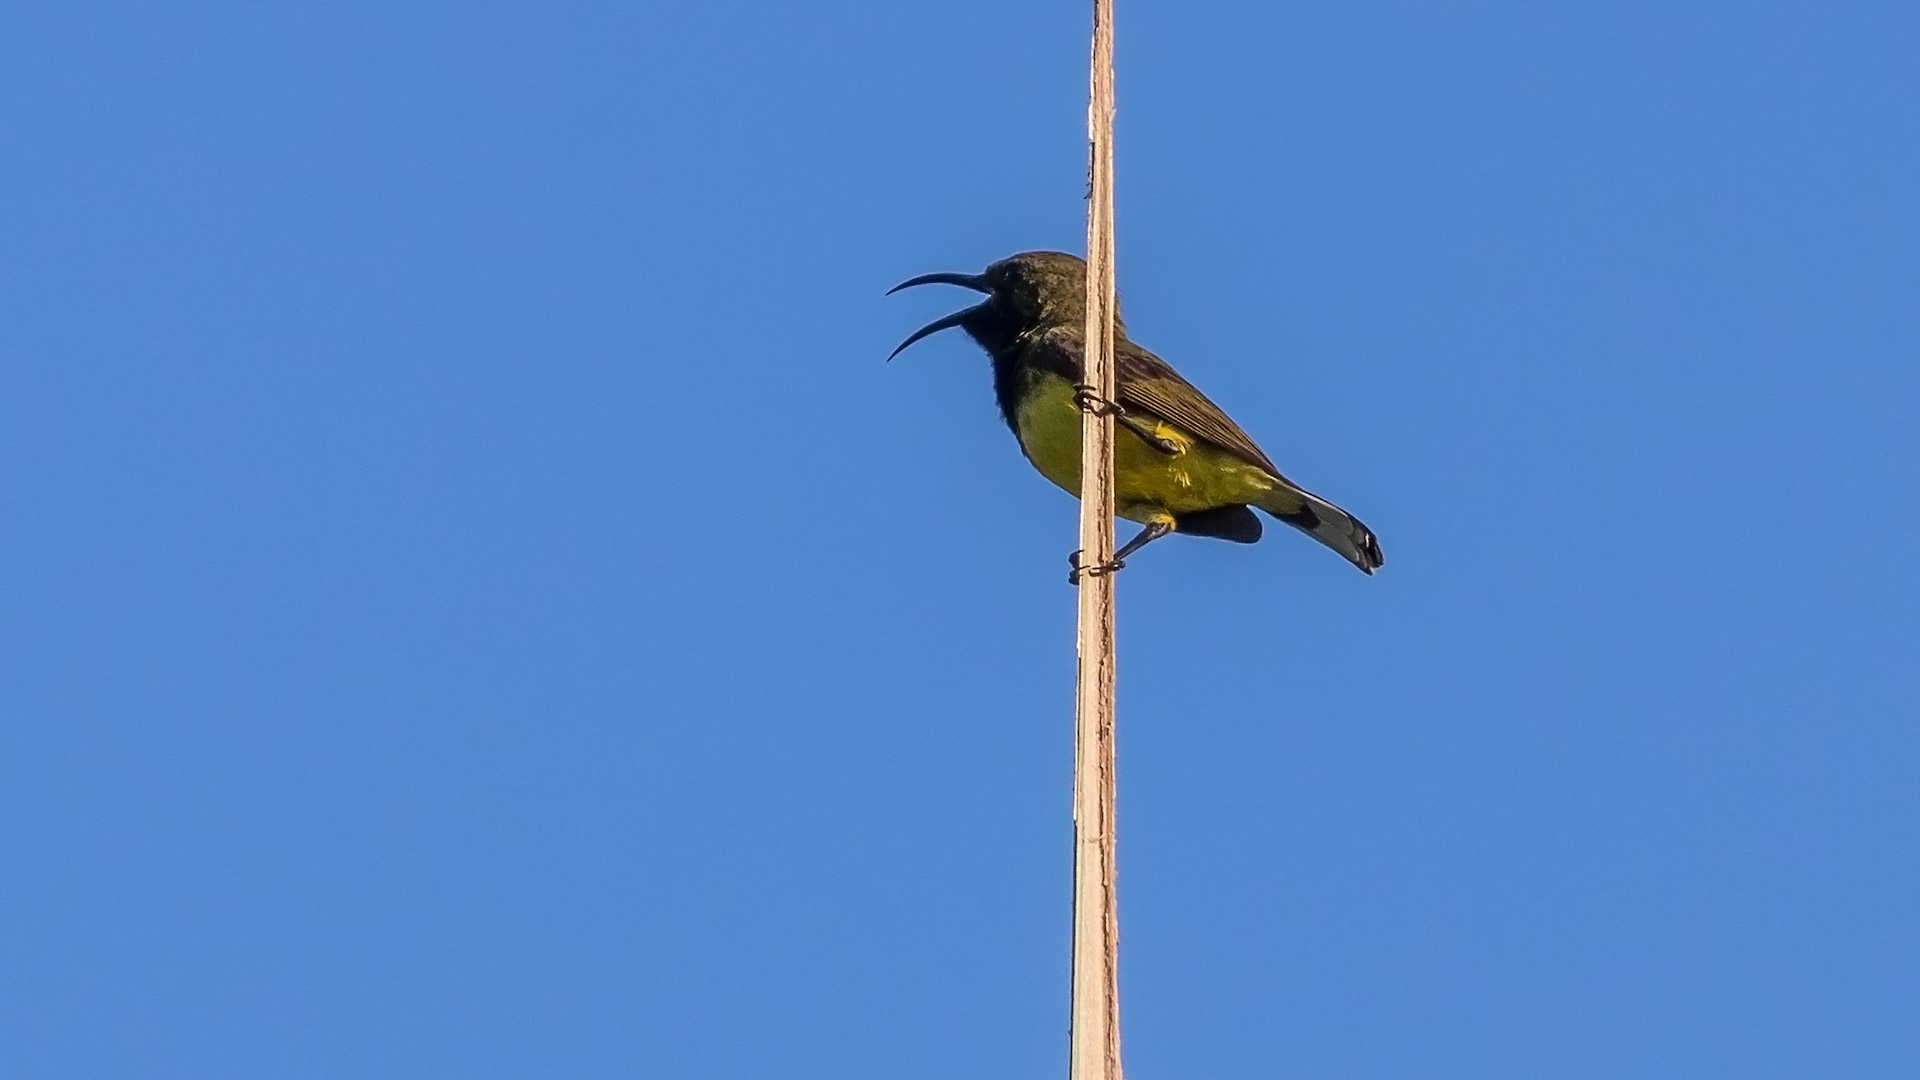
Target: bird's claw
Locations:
point(1084, 396)
point(1099, 570)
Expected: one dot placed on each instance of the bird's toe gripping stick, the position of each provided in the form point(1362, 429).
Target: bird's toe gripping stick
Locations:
point(1089, 401)
point(1098, 570)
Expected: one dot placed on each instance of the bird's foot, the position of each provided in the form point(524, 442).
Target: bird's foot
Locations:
point(1089, 401)
point(1098, 570)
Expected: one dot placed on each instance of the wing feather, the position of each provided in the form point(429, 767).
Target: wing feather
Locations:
point(1149, 385)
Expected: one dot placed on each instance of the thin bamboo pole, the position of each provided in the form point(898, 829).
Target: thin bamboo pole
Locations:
point(1095, 1038)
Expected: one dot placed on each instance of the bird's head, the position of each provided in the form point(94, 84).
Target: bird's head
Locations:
point(1024, 291)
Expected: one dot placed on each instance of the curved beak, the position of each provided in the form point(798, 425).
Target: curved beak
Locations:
point(935, 327)
point(975, 282)
point(968, 281)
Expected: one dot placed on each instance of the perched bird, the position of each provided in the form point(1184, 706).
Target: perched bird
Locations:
point(1180, 465)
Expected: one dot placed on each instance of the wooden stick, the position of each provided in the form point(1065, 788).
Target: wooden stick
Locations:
point(1095, 1039)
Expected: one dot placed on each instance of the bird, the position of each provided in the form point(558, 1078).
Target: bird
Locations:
point(1181, 465)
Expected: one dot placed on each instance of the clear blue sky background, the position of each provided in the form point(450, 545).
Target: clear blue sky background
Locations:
point(474, 603)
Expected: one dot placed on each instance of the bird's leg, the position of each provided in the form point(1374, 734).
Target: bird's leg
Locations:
point(1089, 401)
point(1148, 435)
point(1150, 532)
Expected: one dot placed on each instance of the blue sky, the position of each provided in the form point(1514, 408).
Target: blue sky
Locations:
point(474, 603)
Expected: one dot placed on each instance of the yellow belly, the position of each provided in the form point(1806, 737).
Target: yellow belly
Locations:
point(1150, 484)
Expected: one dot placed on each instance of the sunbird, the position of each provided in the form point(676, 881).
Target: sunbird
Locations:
point(1180, 464)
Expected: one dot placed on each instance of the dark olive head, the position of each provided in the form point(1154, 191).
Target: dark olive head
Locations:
point(1040, 286)
point(1033, 288)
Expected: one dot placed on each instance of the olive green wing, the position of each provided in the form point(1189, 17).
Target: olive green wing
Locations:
point(1149, 384)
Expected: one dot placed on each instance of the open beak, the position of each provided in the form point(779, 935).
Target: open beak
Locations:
point(969, 281)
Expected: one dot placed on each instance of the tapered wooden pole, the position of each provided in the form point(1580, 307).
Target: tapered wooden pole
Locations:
point(1095, 1051)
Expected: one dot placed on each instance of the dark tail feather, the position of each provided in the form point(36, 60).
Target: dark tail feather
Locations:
point(1326, 523)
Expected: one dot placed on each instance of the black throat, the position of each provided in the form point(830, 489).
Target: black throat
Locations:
point(1006, 341)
